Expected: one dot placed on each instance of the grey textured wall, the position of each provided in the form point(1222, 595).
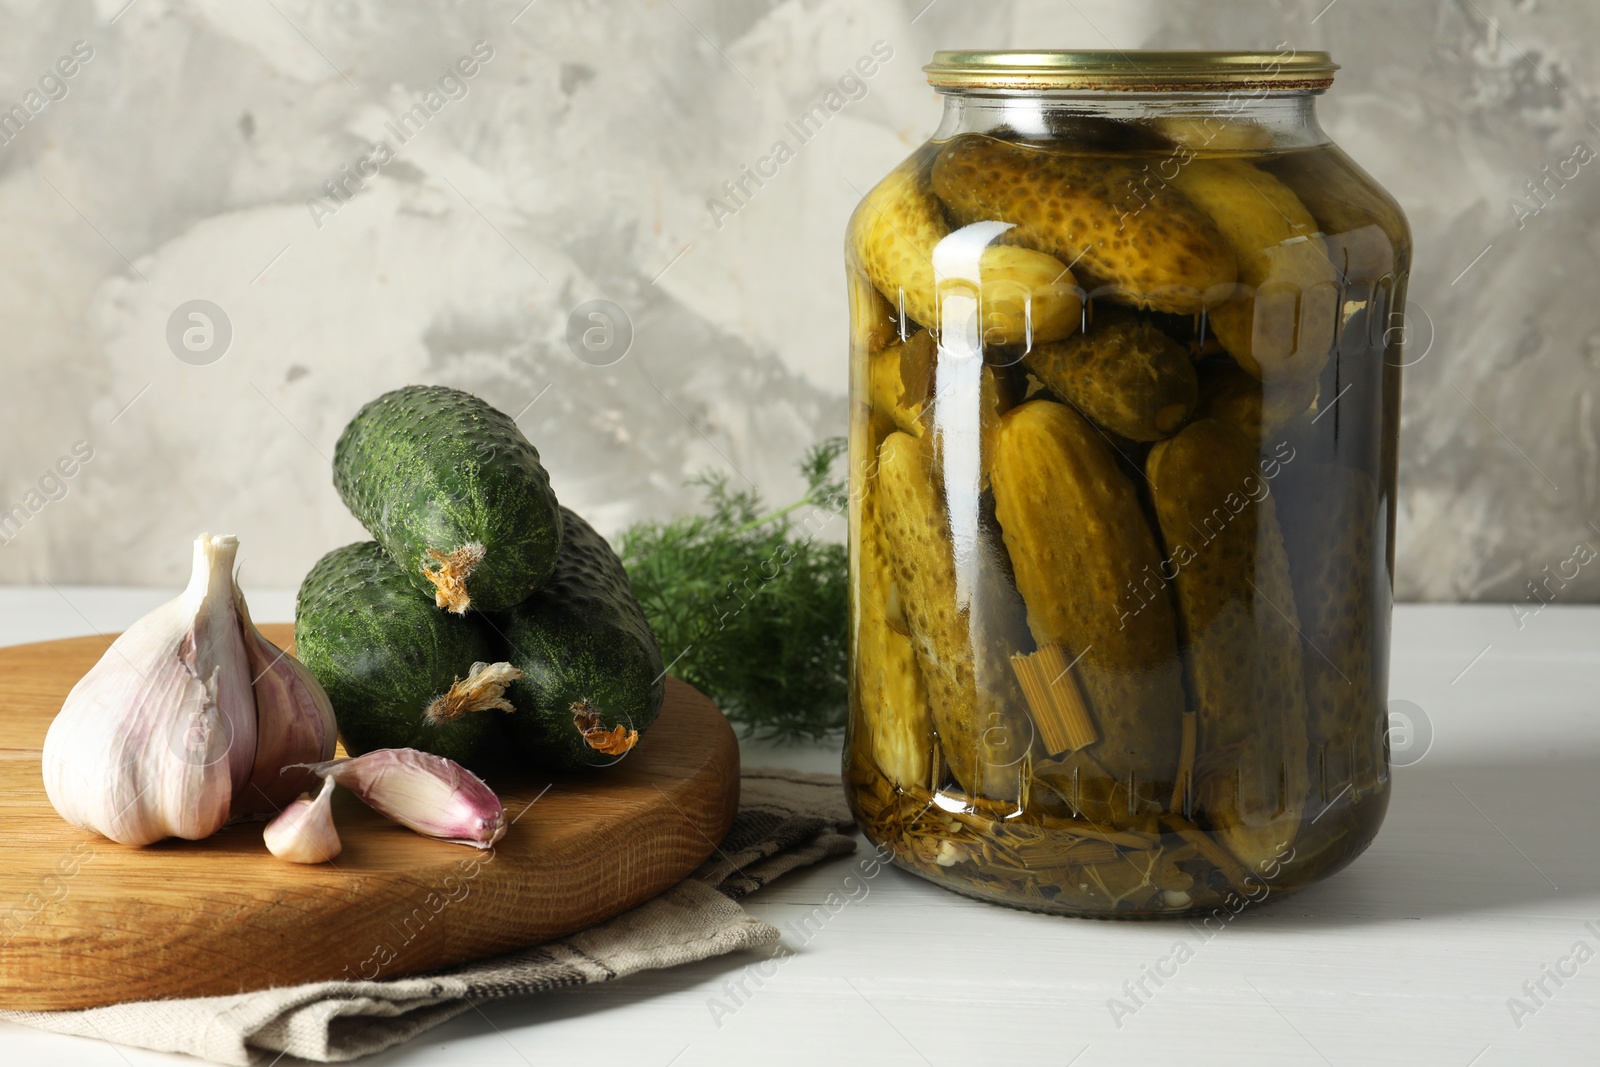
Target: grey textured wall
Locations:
point(184, 160)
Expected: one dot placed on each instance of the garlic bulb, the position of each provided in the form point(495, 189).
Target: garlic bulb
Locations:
point(432, 795)
point(160, 737)
point(152, 740)
point(303, 832)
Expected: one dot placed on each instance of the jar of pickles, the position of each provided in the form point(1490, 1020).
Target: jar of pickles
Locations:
point(1124, 407)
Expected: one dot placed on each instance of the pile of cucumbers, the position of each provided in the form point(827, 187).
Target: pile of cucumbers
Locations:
point(484, 622)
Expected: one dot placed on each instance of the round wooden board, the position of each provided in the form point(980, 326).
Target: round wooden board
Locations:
point(86, 922)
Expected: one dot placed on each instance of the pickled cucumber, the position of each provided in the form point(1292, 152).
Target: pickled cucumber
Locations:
point(898, 725)
point(1281, 324)
point(1123, 373)
point(1329, 526)
point(1254, 407)
point(963, 626)
point(1240, 631)
point(1080, 546)
point(1163, 253)
point(1213, 133)
point(1027, 295)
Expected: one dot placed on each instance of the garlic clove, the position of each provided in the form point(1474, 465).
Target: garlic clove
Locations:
point(294, 722)
point(434, 796)
point(215, 650)
point(304, 832)
point(158, 736)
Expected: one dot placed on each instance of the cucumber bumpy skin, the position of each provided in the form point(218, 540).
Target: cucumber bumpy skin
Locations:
point(385, 654)
point(1079, 543)
point(593, 679)
point(1281, 325)
point(454, 492)
point(1124, 374)
point(963, 649)
point(1155, 251)
point(1241, 638)
point(1027, 295)
point(892, 701)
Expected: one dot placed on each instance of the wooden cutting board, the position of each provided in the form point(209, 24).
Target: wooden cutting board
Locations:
point(85, 921)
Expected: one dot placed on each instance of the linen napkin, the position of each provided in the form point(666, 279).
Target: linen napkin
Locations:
point(786, 820)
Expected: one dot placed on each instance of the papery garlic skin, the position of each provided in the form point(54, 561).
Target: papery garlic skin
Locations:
point(304, 832)
point(435, 796)
point(158, 736)
point(294, 723)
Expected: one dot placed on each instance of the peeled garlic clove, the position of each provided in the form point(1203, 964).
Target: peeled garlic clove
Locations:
point(158, 736)
point(303, 832)
point(294, 722)
point(434, 796)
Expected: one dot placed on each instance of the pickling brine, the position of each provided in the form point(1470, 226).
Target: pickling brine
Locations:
point(1124, 409)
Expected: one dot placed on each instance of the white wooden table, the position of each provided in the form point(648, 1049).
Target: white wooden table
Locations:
point(1485, 877)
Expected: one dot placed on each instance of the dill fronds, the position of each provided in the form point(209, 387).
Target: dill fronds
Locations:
point(750, 605)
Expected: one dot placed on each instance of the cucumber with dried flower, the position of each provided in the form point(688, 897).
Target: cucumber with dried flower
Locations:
point(450, 487)
point(399, 672)
point(592, 676)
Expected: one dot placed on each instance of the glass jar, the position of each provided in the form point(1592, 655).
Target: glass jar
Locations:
point(1124, 406)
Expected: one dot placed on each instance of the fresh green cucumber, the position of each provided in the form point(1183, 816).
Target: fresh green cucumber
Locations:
point(399, 672)
point(454, 492)
point(592, 678)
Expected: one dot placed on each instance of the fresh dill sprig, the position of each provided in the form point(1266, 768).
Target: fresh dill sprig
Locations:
point(749, 605)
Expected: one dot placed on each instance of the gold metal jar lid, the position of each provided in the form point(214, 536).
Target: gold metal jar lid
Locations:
point(1132, 72)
